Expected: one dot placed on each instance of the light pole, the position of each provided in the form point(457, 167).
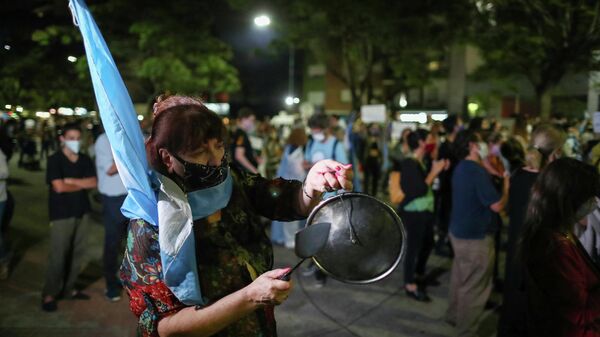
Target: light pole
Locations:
point(262, 21)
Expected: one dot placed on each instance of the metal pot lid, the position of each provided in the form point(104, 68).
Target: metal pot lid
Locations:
point(366, 241)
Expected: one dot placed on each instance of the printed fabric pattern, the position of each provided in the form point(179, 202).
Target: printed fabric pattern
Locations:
point(232, 249)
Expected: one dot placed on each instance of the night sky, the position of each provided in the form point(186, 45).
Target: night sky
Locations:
point(263, 71)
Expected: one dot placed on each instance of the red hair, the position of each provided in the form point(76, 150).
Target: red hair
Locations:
point(181, 125)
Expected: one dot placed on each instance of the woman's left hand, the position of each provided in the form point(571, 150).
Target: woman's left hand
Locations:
point(328, 176)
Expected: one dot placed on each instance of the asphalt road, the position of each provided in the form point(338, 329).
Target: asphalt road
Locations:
point(336, 310)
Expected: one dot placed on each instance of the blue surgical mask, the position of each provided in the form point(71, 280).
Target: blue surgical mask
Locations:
point(207, 201)
point(72, 145)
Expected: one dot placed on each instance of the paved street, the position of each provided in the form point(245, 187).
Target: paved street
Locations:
point(336, 310)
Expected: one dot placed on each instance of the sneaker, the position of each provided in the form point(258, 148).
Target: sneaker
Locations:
point(49, 306)
point(112, 295)
point(78, 295)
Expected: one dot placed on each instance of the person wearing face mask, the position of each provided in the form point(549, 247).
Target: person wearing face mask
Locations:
point(452, 125)
point(205, 267)
point(562, 282)
point(474, 202)
point(112, 193)
point(492, 162)
point(373, 161)
point(321, 146)
point(410, 187)
point(241, 148)
point(545, 147)
point(69, 175)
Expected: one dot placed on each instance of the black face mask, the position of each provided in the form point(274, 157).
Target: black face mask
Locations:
point(200, 176)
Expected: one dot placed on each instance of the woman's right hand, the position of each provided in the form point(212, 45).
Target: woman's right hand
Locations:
point(268, 290)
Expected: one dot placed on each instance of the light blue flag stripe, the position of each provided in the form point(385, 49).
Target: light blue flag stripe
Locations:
point(119, 118)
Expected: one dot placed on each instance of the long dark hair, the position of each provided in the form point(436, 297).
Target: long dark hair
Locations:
point(560, 189)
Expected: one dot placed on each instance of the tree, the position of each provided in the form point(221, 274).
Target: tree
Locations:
point(157, 46)
point(177, 52)
point(343, 36)
point(419, 36)
point(352, 37)
point(35, 71)
point(541, 39)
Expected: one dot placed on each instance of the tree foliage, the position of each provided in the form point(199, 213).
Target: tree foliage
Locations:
point(542, 40)
point(158, 46)
point(352, 37)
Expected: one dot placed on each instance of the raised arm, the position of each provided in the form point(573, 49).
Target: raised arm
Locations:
point(118, 118)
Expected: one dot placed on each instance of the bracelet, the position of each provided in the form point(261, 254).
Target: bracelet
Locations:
point(304, 191)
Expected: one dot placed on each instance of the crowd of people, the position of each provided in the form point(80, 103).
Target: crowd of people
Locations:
point(463, 191)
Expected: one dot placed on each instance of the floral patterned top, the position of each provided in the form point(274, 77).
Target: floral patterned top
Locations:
point(232, 249)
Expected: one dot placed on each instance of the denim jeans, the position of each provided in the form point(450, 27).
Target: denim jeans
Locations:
point(115, 232)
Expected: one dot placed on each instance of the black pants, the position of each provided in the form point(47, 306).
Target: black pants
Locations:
point(513, 314)
point(372, 175)
point(115, 232)
point(419, 243)
point(497, 245)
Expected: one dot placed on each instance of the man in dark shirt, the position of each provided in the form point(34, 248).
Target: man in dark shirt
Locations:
point(242, 151)
point(474, 199)
point(452, 125)
point(69, 175)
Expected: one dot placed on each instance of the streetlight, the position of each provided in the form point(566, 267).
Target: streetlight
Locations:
point(289, 100)
point(403, 102)
point(262, 21)
point(71, 59)
point(7, 47)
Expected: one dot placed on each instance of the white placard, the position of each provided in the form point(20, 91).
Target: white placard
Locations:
point(596, 122)
point(373, 113)
point(398, 127)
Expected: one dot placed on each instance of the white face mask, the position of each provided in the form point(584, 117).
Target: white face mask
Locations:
point(73, 145)
point(319, 136)
point(483, 150)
